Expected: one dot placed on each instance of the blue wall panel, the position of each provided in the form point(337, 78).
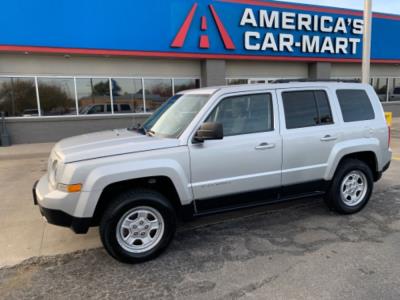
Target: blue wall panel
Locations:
point(151, 26)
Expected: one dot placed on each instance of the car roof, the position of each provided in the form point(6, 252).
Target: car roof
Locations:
point(263, 86)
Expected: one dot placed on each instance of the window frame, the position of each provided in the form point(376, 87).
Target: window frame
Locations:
point(313, 90)
point(244, 93)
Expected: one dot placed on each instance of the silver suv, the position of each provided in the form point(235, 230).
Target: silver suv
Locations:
point(217, 149)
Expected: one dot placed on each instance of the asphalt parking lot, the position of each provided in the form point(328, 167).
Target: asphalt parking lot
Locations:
point(296, 250)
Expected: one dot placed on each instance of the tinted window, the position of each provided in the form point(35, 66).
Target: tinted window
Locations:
point(125, 108)
point(355, 105)
point(244, 114)
point(115, 107)
point(306, 108)
point(324, 110)
point(96, 109)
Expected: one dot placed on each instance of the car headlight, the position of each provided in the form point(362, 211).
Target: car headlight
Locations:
point(55, 166)
point(52, 171)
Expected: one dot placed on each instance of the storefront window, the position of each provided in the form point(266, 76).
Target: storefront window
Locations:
point(186, 84)
point(18, 97)
point(127, 95)
point(236, 81)
point(381, 88)
point(157, 91)
point(394, 89)
point(258, 80)
point(57, 96)
point(93, 95)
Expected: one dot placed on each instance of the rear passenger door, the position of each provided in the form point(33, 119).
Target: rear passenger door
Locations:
point(309, 132)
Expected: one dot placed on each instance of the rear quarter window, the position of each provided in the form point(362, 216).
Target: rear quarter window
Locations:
point(355, 105)
point(306, 108)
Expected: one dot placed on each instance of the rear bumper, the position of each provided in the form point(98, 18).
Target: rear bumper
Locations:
point(59, 217)
point(386, 167)
point(379, 174)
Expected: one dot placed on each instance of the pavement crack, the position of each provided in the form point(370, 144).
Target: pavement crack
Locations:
point(251, 287)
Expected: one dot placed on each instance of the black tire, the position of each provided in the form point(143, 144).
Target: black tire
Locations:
point(333, 197)
point(126, 202)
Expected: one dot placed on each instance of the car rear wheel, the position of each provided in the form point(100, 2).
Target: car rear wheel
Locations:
point(137, 226)
point(351, 187)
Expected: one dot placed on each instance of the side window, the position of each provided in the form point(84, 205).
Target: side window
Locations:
point(244, 114)
point(396, 91)
point(96, 109)
point(115, 106)
point(324, 110)
point(306, 108)
point(125, 108)
point(355, 105)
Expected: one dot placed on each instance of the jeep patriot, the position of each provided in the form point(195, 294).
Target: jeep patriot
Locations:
point(217, 149)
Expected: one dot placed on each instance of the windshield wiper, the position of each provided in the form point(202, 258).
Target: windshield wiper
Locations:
point(150, 133)
point(138, 128)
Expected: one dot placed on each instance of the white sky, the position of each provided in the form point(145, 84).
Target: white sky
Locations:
point(386, 6)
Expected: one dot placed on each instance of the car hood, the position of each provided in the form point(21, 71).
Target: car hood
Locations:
point(108, 143)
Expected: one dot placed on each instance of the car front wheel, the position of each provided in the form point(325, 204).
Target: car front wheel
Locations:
point(137, 226)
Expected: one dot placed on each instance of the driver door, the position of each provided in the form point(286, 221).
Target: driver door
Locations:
point(248, 158)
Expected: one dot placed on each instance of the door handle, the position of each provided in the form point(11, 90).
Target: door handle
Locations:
point(328, 138)
point(264, 146)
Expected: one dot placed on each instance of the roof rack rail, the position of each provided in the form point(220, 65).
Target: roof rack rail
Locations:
point(315, 80)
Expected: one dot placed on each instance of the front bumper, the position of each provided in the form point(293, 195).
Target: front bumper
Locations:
point(57, 216)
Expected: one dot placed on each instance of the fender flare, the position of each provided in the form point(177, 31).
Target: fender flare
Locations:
point(350, 147)
point(99, 178)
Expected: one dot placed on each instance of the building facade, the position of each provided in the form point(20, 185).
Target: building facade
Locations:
point(69, 67)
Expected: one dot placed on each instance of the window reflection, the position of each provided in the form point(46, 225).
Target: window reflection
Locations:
point(57, 96)
point(157, 91)
point(394, 89)
point(127, 95)
point(18, 97)
point(186, 84)
point(381, 88)
point(93, 95)
point(237, 81)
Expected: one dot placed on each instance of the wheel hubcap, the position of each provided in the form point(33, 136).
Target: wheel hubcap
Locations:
point(140, 229)
point(353, 188)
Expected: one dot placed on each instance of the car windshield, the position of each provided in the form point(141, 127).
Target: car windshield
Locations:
point(171, 119)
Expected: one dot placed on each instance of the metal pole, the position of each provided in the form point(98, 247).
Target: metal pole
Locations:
point(367, 41)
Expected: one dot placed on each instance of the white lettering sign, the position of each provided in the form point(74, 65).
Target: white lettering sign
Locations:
point(319, 33)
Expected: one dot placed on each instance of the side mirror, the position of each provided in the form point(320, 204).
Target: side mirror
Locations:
point(209, 131)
